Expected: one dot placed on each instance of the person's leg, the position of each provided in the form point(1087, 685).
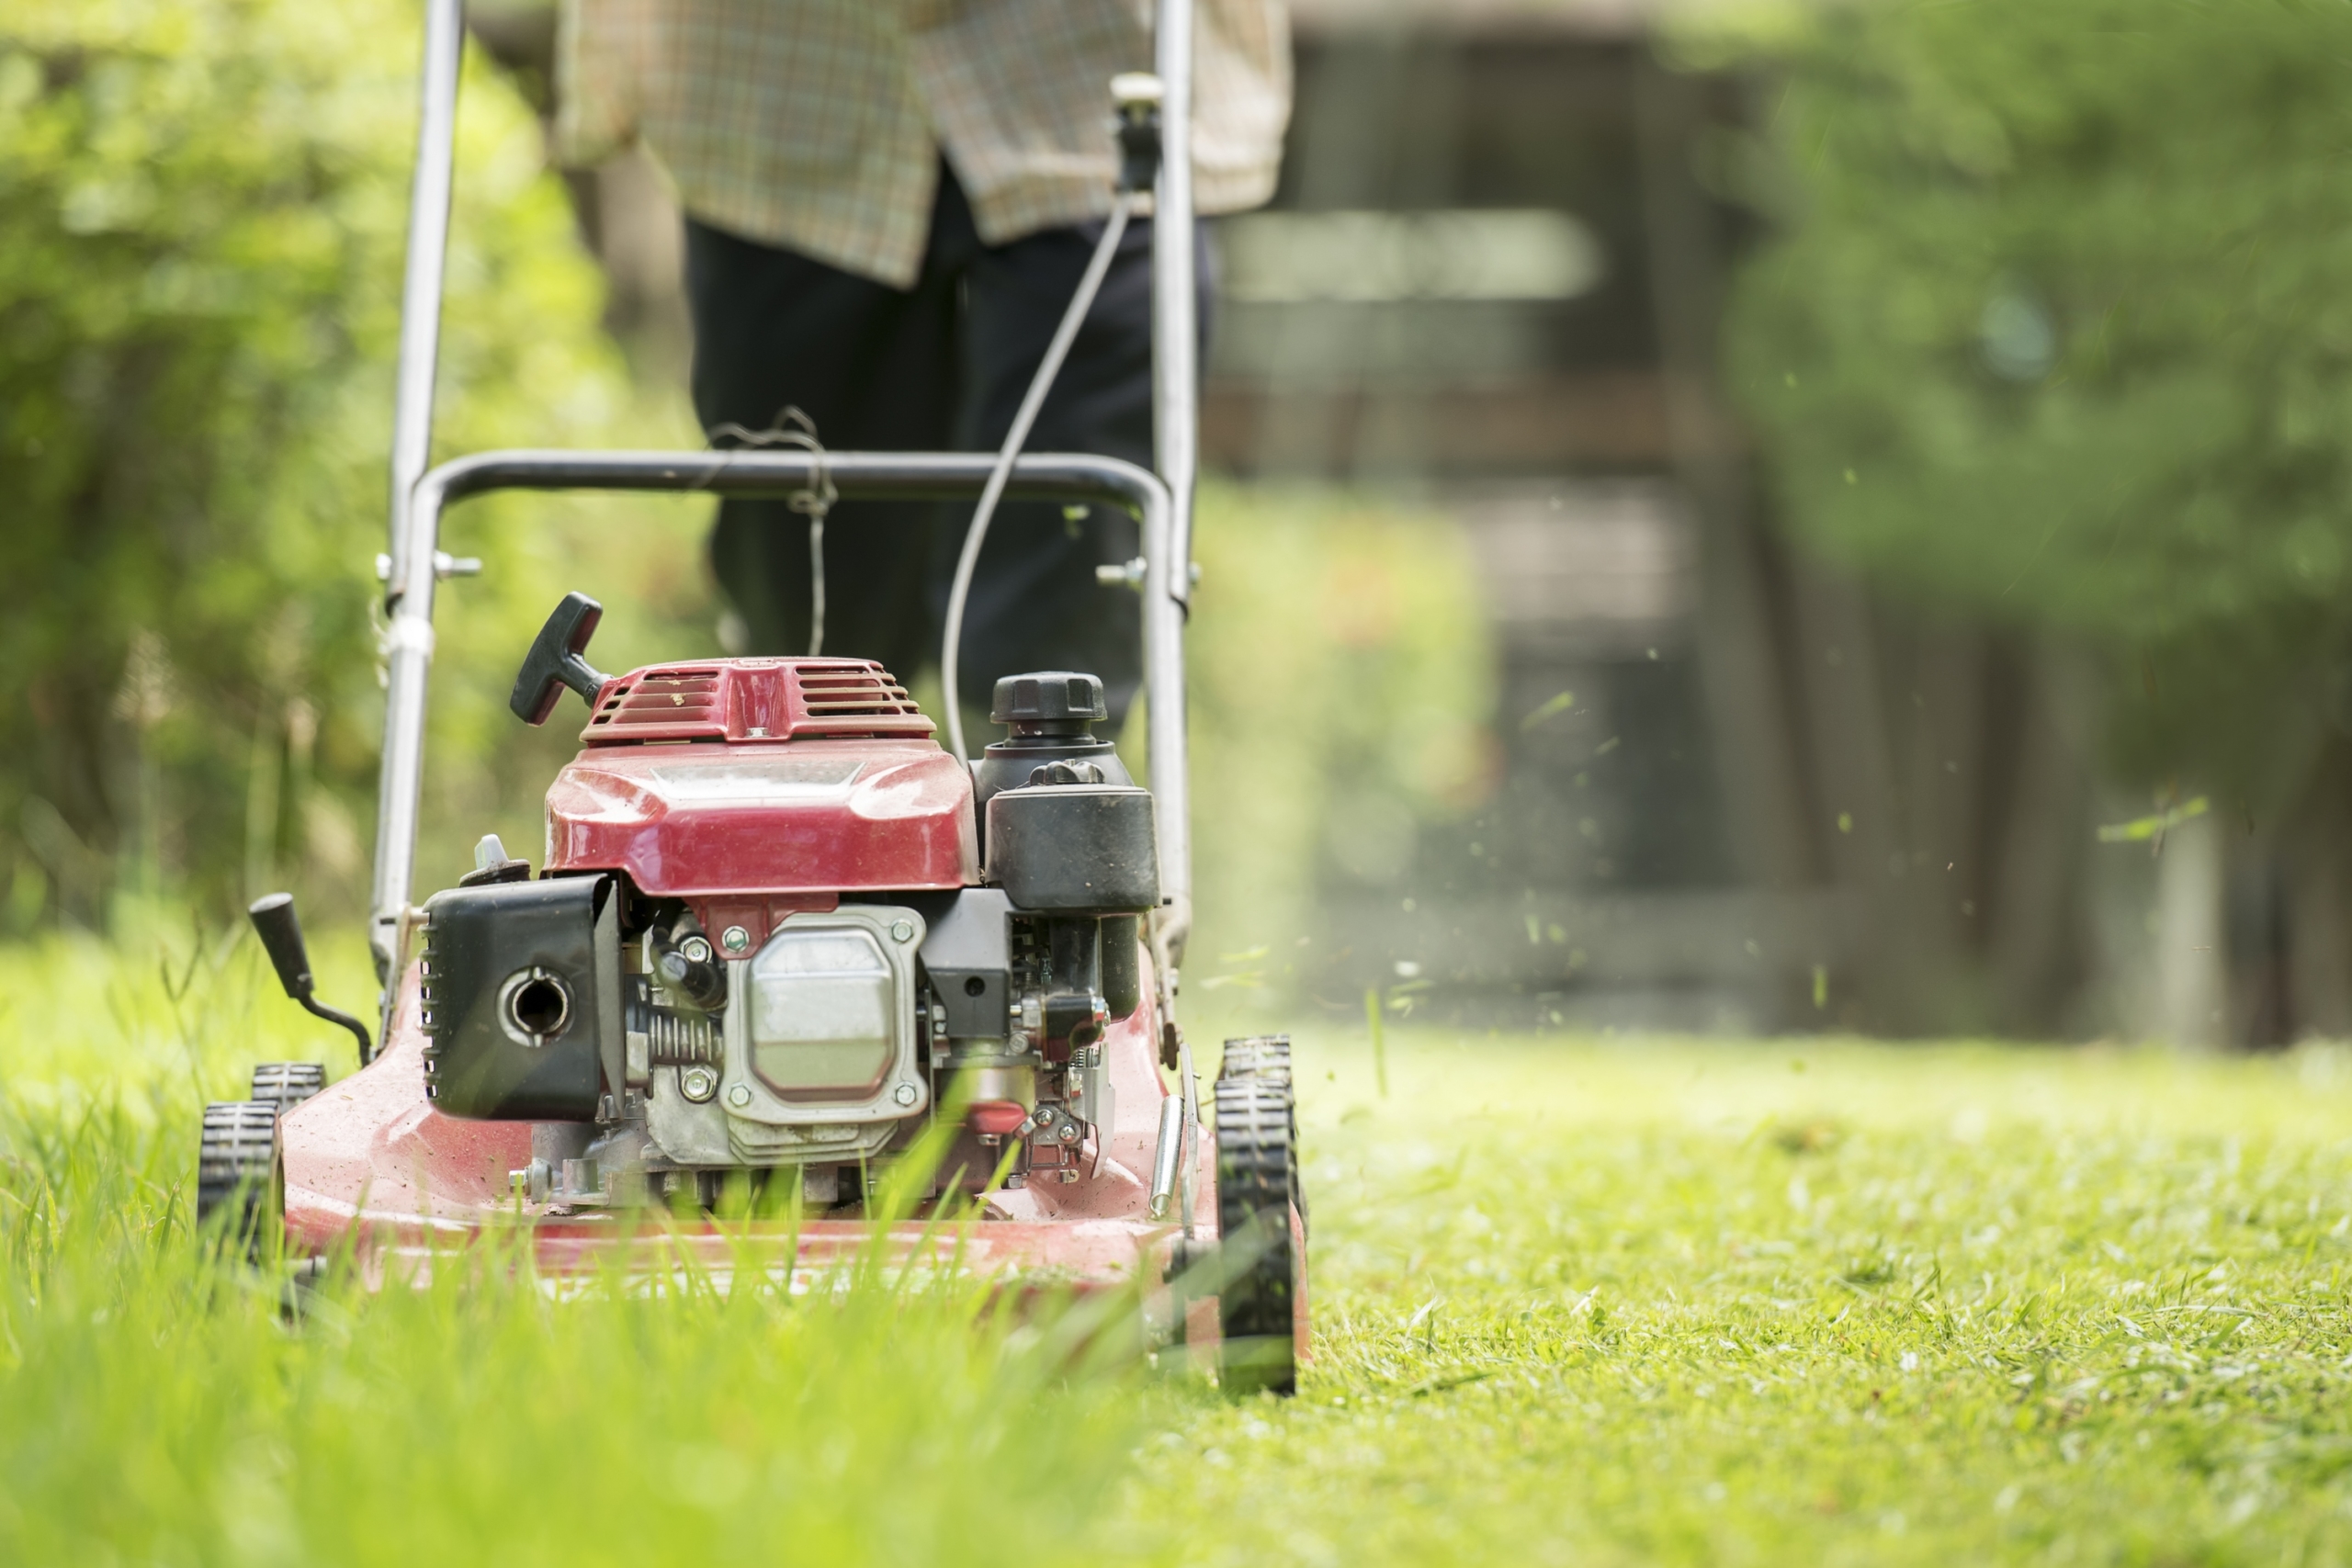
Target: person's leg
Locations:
point(1034, 603)
point(875, 368)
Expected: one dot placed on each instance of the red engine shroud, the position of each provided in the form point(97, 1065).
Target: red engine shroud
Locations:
point(785, 779)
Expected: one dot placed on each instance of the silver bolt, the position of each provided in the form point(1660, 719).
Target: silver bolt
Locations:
point(698, 1083)
point(1069, 1132)
point(902, 930)
point(735, 939)
point(905, 1094)
point(696, 949)
point(739, 1096)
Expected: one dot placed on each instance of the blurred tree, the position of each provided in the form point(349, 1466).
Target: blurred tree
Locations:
point(202, 209)
point(2058, 333)
point(2052, 349)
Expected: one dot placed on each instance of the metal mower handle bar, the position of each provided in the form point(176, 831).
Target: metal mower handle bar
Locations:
point(1164, 501)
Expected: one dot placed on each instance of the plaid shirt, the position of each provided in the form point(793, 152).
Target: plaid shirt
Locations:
point(817, 125)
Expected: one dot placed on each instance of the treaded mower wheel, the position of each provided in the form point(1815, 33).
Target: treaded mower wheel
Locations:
point(1256, 1056)
point(236, 1173)
point(1268, 1056)
point(1257, 1169)
point(288, 1084)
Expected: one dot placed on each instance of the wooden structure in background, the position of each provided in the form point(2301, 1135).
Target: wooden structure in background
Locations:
point(1821, 812)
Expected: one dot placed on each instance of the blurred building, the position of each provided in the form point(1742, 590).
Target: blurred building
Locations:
point(1491, 277)
point(1740, 791)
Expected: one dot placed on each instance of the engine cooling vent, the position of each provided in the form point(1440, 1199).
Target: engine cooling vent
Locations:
point(753, 700)
point(666, 703)
point(851, 691)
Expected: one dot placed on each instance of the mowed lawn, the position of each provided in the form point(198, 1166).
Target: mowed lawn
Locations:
point(1805, 1301)
point(1575, 1300)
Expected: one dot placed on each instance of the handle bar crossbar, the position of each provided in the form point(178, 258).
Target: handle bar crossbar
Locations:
point(1070, 478)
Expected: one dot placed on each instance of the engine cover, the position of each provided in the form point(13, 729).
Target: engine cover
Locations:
point(713, 817)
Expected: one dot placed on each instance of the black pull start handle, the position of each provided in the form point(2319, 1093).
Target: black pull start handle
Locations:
point(554, 661)
point(281, 938)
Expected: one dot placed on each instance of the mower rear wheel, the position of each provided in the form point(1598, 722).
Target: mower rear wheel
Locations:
point(237, 1181)
point(1263, 1260)
point(288, 1084)
point(1257, 1055)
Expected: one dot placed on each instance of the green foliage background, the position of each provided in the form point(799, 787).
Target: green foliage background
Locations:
point(203, 204)
point(202, 212)
point(2057, 331)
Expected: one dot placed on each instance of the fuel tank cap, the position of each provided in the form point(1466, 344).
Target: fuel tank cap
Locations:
point(1048, 697)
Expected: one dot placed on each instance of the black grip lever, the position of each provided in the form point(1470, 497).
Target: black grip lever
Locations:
point(554, 661)
point(281, 938)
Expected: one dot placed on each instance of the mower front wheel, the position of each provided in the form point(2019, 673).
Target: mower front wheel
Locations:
point(1268, 1056)
point(238, 1184)
point(1262, 1274)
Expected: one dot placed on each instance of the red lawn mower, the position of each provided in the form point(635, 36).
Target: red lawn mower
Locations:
point(783, 942)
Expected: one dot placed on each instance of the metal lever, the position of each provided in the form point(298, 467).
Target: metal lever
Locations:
point(281, 938)
point(554, 661)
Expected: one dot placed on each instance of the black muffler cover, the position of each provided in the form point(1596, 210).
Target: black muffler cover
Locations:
point(522, 1006)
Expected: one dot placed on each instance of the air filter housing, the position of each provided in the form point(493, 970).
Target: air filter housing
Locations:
point(521, 997)
point(1075, 847)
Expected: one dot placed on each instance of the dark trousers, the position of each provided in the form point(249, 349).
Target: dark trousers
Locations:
point(940, 366)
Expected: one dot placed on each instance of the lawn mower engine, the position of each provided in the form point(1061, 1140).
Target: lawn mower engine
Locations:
point(760, 941)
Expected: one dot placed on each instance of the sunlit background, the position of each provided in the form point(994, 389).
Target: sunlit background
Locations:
point(1740, 519)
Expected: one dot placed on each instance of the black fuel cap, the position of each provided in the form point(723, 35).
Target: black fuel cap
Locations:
point(1048, 697)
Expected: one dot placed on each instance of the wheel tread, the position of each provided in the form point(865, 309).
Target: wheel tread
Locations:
point(1257, 1174)
point(286, 1085)
point(1256, 1056)
point(236, 1168)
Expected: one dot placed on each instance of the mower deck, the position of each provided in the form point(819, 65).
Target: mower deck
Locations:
point(369, 1163)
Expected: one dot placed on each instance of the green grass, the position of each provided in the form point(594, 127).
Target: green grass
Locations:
point(1575, 1300)
point(1806, 1302)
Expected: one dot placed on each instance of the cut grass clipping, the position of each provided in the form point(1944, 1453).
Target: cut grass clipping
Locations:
point(1634, 1302)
